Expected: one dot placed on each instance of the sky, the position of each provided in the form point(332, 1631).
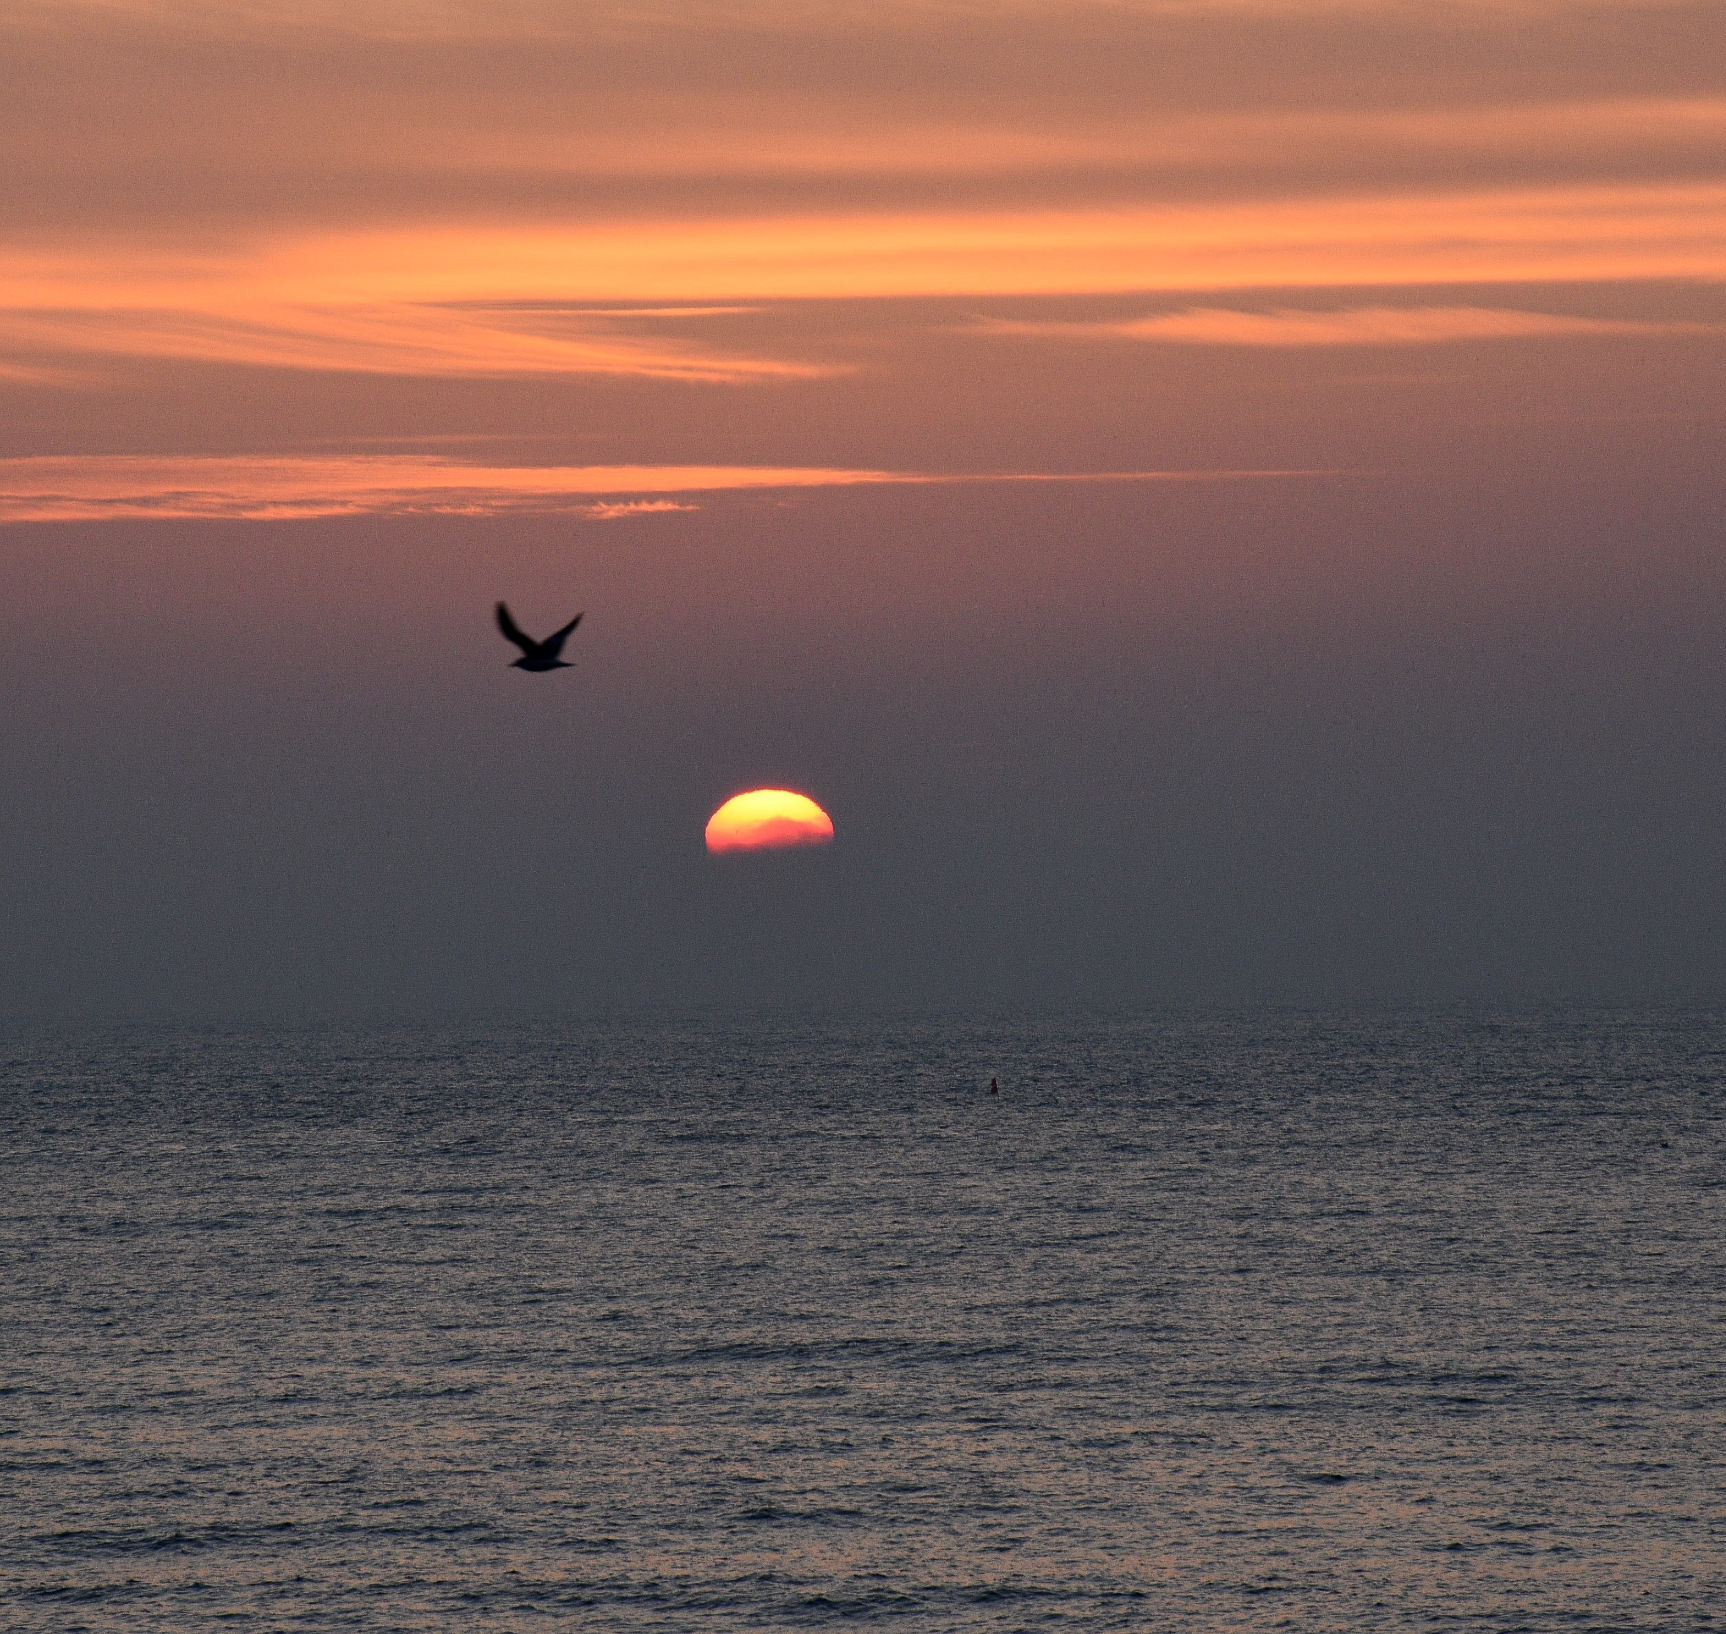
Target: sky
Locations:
point(1218, 501)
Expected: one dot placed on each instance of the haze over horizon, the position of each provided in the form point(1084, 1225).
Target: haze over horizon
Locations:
point(1216, 500)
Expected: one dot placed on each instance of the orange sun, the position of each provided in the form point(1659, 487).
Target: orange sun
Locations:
point(767, 820)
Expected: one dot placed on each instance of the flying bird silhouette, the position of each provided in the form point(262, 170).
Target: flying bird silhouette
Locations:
point(536, 655)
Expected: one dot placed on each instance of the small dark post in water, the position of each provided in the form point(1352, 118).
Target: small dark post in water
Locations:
point(994, 1088)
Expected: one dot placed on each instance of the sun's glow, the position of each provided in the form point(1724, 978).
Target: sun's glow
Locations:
point(768, 820)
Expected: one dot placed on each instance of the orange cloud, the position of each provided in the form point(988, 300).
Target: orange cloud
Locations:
point(1349, 326)
point(241, 314)
point(90, 487)
point(269, 488)
point(526, 191)
point(219, 183)
point(472, 109)
point(1552, 234)
point(446, 300)
point(613, 510)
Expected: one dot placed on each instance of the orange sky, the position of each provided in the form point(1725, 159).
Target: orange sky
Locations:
point(439, 192)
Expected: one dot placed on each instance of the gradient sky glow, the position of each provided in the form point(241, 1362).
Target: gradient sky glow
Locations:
point(1225, 497)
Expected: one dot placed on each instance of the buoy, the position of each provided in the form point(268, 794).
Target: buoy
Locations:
point(994, 1088)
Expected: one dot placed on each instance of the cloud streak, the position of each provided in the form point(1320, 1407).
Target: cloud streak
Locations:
point(1564, 233)
point(83, 488)
point(483, 300)
point(1348, 326)
point(230, 316)
point(617, 510)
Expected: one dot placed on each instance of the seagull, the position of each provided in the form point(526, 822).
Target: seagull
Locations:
point(536, 656)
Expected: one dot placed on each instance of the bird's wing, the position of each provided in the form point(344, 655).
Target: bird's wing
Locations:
point(553, 644)
point(508, 625)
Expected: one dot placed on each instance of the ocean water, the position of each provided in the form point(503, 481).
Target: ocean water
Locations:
point(1206, 1322)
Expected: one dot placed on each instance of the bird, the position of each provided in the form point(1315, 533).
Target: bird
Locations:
point(536, 656)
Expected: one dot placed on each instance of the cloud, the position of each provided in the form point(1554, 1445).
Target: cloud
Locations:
point(1559, 233)
point(176, 114)
point(613, 510)
point(93, 487)
point(490, 300)
point(242, 314)
point(477, 188)
point(663, 190)
point(1349, 326)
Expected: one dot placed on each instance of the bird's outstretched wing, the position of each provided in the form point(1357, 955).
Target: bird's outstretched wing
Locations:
point(553, 644)
point(508, 625)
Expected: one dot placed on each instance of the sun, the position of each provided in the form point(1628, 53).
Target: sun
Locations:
point(768, 820)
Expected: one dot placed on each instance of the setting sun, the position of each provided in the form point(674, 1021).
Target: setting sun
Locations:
point(768, 820)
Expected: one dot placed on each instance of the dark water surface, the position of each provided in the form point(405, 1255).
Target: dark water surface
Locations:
point(1206, 1322)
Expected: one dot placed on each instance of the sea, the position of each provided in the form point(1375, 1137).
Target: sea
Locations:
point(1207, 1320)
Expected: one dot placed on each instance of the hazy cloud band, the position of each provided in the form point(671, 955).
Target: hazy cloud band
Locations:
point(1348, 326)
point(94, 487)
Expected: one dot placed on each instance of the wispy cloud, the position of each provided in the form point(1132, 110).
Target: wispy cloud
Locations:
point(230, 316)
point(615, 510)
point(530, 192)
point(525, 189)
point(484, 300)
point(1348, 326)
point(268, 488)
